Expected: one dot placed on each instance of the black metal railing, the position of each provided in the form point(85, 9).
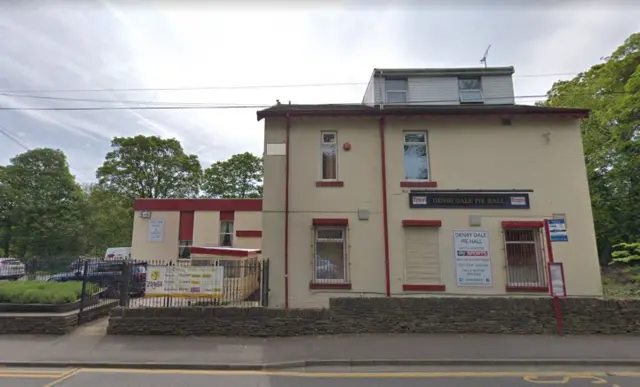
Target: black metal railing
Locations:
point(58, 283)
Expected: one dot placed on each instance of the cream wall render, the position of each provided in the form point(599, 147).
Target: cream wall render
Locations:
point(540, 154)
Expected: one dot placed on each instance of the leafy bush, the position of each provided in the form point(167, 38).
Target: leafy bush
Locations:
point(39, 292)
point(626, 253)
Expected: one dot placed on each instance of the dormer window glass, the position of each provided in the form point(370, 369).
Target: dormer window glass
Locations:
point(470, 90)
point(396, 90)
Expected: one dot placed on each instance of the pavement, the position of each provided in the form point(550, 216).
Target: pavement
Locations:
point(329, 377)
point(90, 347)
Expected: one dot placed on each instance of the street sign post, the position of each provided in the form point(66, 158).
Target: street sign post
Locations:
point(555, 278)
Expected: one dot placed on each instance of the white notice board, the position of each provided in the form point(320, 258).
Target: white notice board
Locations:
point(556, 277)
point(472, 257)
point(156, 230)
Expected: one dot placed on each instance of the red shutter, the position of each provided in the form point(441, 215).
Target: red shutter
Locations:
point(186, 226)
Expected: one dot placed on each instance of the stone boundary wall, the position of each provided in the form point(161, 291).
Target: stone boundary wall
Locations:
point(386, 315)
point(51, 323)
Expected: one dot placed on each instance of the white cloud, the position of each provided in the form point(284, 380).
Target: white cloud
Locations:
point(111, 45)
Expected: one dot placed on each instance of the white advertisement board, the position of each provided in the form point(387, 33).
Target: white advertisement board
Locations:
point(156, 230)
point(156, 279)
point(185, 281)
point(472, 257)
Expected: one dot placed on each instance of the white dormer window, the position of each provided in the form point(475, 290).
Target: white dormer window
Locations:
point(396, 90)
point(470, 90)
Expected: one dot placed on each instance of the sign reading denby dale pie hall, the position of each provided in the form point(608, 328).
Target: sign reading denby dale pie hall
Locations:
point(469, 200)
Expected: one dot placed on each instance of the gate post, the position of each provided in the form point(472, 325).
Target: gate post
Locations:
point(83, 292)
point(124, 284)
point(264, 283)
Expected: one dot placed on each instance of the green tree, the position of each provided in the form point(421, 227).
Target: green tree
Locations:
point(611, 139)
point(150, 167)
point(110, 223)
point(238, 177)
point(47, 208)
point(7, 205)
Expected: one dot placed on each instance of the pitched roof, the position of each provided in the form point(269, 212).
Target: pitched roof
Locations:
point(361, 110)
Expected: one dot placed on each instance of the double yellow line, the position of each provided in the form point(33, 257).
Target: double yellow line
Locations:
point(9, 373)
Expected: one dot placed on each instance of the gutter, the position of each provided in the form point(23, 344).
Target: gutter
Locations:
point(385, 214)
point(286, 213)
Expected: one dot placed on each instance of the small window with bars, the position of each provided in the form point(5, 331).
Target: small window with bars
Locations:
point(524, 250)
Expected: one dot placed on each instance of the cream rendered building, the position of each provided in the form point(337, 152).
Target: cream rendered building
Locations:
point(165, 229)
point(436, 185)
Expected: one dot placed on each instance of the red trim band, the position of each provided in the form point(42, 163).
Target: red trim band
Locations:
point(227, 215)
point(421, 223)
point(323, 183)
point(198, 205)
point(522, 224)
point(418, 184)
point(358, 110)
point(330, 221)
point(315, 285)
point(249, 233)
point(527, 289)
point(224, 252)
point(424, 288)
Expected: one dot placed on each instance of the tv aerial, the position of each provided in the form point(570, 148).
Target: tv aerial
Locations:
point(484, 58)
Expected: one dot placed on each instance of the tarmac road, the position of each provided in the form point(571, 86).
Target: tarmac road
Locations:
point(327, 377)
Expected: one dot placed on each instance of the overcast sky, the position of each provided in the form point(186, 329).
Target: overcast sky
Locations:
point(213, 47)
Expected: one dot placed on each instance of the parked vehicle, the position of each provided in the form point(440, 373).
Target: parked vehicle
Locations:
point(11, 269)
point(78, 264)
point(117, 253)
point(108, 275)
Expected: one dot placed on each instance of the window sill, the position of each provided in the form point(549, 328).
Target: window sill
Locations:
point(329, 183)
point(423, 288)
point(418, 184)
point(527, 289)
point(249, 234)
point(338, 286)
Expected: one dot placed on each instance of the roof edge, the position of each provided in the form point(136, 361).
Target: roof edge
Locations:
point(426, 110)
point(507, 70)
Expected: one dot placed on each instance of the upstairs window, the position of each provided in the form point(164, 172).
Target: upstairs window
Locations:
point(470, 90)
point(226, 233)
point(416, 160)
point(396, 90)
point(329, 149)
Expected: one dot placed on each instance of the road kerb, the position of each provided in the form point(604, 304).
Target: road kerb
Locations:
point(325, 363)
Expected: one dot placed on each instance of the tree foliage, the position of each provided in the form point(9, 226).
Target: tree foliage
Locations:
point(611, 140)
point(43, 208)
point(626, 253)
point(111, 220)
point(150, 167)
point(240, 176)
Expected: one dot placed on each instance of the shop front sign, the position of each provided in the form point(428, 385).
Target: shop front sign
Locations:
point(469, 200)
